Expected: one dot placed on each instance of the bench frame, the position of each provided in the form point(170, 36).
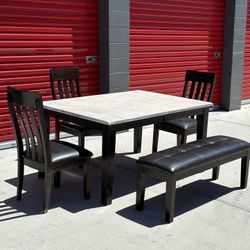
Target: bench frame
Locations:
point(171, 178)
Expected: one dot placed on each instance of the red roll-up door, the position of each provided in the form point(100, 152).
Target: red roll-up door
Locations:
point(246, 74)
point(169, 37)
point(36, 35)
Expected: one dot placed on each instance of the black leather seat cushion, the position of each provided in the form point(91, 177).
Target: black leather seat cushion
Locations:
point(184, 123)
point(192, 154)
point(64, 153)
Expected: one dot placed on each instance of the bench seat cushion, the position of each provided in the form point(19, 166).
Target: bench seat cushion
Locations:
point(193, 154)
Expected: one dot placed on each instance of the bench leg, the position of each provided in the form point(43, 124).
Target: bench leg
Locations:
point(244, 171)
point(170, 199)
point(215, 174)
point(140, 188)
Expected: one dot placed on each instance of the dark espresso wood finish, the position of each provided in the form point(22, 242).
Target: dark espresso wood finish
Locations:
point(98, 119)
point(199, 86)
point(179, 162)
point(65, 83)
point(32, 124)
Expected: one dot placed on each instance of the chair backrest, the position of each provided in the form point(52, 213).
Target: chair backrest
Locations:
point(199, 85)
point(29, 121)
point(64, 82)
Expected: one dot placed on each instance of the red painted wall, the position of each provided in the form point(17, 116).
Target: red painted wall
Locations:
point(37, 35)
point(168, 37)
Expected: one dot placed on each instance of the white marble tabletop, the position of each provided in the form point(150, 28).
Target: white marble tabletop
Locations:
point(116, 108)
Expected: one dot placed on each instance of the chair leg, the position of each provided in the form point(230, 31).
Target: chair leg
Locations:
point(181, 139)
point(184, 139)
point(57, 135)
point(215, 173)
point(137, 139)
point(20, 175)
point(86, 179)
point(155, 139)
point(140, 189)
point(41, 174)
point(81, 140)
point(244, 172)
point(81, 143)
point(47, 191)
point(57, 179)
point(170, 199)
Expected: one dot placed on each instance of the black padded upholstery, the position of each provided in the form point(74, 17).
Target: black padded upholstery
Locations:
point(188, 159)
point(184, 123)
point(64, 153)
point(193, 154)
point(34, 149)
point(198, 85)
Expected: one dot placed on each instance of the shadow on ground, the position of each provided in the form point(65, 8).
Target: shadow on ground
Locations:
point(188, 197)
point(70, 196)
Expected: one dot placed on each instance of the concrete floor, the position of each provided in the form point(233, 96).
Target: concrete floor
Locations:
point(209, 214)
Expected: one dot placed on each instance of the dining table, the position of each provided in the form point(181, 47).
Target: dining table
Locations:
point(120, 111)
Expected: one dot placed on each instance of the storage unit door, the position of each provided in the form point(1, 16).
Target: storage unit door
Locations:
point(246, 74)
point(37, 35)
point(169, 37)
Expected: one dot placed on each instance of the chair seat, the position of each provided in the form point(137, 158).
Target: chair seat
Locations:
point(69, 126)
point(64, 153)
point(183, 123)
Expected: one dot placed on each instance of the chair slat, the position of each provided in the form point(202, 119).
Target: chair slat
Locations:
point(191, 91)
point(204, 90)
point(205, 85)
point(65, 84)
point(25, 133)
point(211, 90)
point(30, 133)
point(67, 80)
point(37, 133)
point(59, 84)
point(72, 89)
point(198, 90)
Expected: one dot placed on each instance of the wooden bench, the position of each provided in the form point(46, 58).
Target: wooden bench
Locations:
point(188, 159)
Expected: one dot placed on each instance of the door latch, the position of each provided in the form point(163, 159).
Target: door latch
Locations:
point(91, 59)
point(218, 54)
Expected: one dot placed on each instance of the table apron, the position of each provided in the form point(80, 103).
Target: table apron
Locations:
point(125, 125)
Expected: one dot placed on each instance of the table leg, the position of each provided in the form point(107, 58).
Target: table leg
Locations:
point(108, 154)
point(202, 121)
point(137, 139)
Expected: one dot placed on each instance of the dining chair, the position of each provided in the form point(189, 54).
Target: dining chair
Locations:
point(65, 83)
point(35, 150)
point(198, 85)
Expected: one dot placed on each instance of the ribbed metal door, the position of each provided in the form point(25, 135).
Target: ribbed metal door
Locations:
point(246, 75)
point(168, 37)
point(36, 35)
